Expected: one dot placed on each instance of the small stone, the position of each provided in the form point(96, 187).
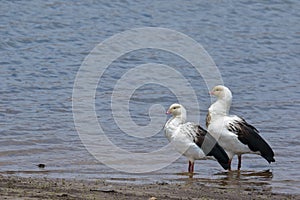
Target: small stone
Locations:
point(41, 165)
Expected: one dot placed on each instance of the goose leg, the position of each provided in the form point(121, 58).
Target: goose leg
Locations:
point(191, 167)
point(229, 163)
point(239, 162)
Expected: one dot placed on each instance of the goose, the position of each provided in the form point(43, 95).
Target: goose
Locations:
point(191, 140)
point(234, 133)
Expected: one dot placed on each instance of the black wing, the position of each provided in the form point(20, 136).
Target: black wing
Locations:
point(210, 146)
point(249, 135)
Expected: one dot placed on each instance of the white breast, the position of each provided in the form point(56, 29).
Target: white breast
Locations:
point(228, 140)
point(184, 144)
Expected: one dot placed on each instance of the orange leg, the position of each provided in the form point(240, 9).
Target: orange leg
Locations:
point(191, 167)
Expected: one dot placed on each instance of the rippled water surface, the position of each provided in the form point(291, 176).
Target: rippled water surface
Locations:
point(256, 47)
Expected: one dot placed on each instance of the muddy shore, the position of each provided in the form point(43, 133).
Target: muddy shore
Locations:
point(14, 187)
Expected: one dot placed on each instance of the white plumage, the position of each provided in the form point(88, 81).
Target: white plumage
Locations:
point(233, 133)
point(191, 140)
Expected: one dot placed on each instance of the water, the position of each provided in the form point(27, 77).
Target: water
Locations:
point(255, 46)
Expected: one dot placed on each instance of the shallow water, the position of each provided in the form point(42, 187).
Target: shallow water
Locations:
point(256, 49)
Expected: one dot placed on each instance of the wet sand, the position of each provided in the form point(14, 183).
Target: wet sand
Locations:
point(14, 187)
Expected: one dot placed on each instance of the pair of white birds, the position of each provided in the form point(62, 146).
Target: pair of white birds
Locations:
point(226, 135)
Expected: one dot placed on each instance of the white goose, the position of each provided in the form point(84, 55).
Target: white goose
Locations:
point(233, 133)
point(191, 140)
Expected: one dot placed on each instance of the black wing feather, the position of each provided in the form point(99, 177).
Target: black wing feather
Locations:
point(210, 146)
point(249, 135)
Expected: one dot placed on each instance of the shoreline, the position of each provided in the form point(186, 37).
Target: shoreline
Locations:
point(15, 187)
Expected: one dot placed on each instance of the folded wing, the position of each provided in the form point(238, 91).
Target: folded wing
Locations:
point(249, 135)
point(207, 143)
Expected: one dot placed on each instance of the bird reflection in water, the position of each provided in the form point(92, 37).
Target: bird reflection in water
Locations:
point(246, 180)
point(239, 179)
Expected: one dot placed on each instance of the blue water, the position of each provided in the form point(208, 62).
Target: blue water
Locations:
point(255, 46)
